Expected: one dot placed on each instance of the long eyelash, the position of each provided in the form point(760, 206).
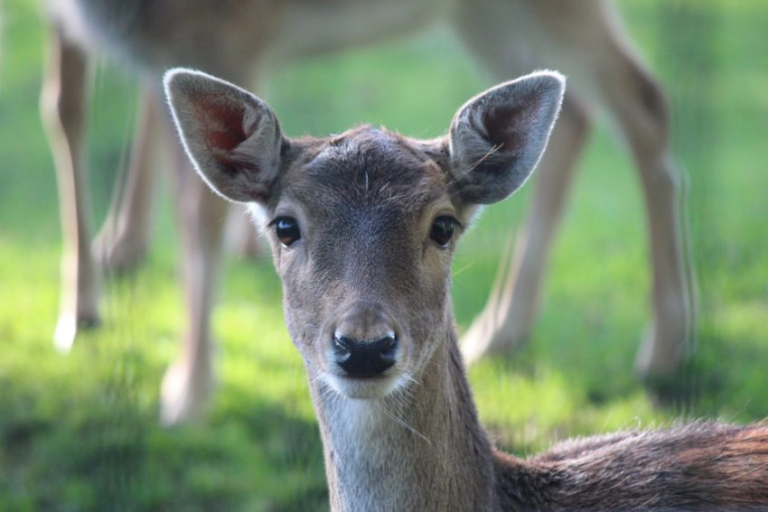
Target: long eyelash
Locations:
point(454, 220)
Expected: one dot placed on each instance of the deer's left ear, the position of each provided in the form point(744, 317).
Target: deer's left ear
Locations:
point(497, 138)
point(232, 137)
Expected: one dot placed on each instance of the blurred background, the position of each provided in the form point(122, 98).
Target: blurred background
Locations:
point(80, 432)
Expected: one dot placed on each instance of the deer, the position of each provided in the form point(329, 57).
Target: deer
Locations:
point(362, 227)
point(240, 40)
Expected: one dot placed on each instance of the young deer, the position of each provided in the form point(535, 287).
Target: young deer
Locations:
point(236, 38)
point(362, 227)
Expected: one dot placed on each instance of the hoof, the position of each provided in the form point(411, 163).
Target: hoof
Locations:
point(660, 357)
point(67, 328)
point(660, 366)
point(475, 342)
point(184, 394)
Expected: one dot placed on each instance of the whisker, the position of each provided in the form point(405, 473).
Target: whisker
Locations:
point(464, 268)
point(411, 379)
point(461, 174)
point(472, 167)
point(403, 423)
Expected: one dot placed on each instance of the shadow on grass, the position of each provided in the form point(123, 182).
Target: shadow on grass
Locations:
point(108, 453)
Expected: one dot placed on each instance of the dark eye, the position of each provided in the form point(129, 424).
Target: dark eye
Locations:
point(286, 230)
point(442, 230)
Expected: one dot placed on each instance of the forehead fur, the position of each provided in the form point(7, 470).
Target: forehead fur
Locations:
point(365, 167)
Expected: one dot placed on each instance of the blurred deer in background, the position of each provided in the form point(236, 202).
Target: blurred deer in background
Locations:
point(240, 40)
point(363, 226)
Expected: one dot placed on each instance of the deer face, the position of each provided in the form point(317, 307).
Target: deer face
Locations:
point(362, 232)
point(363, 225)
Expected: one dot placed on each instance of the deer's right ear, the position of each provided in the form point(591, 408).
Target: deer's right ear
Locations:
point(232, 137)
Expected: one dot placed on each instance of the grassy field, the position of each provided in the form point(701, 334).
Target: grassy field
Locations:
point(80, 432)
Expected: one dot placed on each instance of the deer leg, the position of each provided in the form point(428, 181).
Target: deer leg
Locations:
point(202, 216)
point(63, 108)
point(640, 109)
point(496, 34)
point(510, 312)
point(188, 382)
point(589, 44)
point(124, 238)
point(585, 40)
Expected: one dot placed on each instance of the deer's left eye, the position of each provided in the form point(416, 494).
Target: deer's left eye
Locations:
point(286, 230)
point(442, 230)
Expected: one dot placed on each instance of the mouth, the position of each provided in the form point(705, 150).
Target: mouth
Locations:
point(363, 388)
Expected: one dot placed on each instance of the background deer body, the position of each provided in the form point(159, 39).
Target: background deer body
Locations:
point(237, 39)
point(362, 229)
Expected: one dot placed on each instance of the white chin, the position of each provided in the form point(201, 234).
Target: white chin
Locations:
point(363, 389)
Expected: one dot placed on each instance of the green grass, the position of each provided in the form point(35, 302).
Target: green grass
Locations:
point(80, 431)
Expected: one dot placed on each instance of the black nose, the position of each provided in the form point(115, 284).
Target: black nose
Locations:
point(363, 359)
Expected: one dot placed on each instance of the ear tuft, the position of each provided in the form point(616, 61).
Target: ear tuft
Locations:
point(231, 136)
point(498, 137)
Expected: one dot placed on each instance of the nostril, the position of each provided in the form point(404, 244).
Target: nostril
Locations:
point(388, 346)
point(341, 346)
point(365, 358)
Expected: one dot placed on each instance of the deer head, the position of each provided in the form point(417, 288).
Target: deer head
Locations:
point(363, 225)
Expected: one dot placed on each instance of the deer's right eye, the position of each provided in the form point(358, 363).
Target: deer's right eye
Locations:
point(286, 230)
point(442, 230)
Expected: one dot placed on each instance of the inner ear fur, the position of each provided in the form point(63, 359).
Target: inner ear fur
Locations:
point(497, 138)
point(232, 137)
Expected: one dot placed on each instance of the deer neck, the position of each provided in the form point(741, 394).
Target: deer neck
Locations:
point(422, 450)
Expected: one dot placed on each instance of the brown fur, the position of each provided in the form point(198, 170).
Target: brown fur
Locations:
point(699, 466)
